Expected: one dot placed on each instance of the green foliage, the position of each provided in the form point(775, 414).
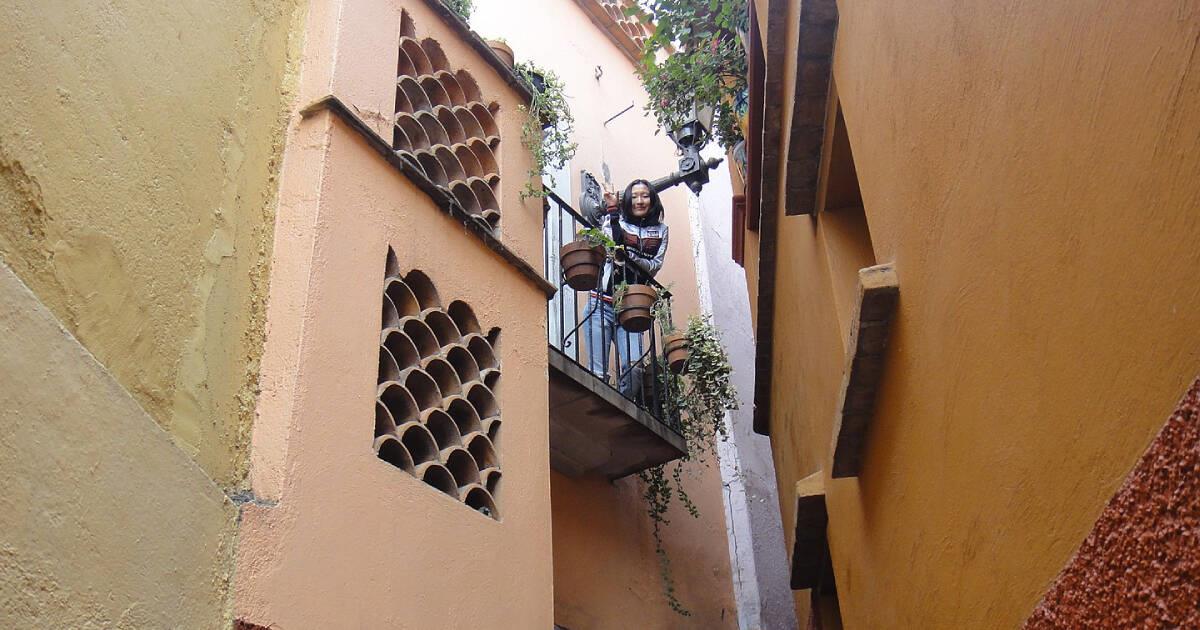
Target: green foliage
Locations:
point(462, 7)
point(619, 292)
point(548, 126)
point(658, 492)
point(709, 392)
point(662, 312)
point(708, 64)
point(598, 236)
point(702, 399)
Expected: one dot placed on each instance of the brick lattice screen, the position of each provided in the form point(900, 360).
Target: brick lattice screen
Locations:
point(436, 414)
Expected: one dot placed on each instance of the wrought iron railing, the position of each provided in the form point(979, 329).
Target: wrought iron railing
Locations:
point(577, 331)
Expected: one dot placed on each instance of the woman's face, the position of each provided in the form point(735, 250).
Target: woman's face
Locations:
point(640, 200)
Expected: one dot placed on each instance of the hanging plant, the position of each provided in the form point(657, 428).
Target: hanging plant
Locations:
point(462, 7)
point(675, 348)
point(548, 128)
point(582, 260)
point(633, 305)
point(701, 398)
point(695, 55)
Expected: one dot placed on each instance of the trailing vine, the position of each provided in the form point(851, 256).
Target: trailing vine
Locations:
point(701, 399)
point(661, 310)
point(619, 291)
point(695, 55)
point(549, 125)
point(462, 7)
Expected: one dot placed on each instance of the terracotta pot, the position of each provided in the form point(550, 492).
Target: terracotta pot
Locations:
point(676, 348)
point(582, 263)
point(502, 51)
point(635, 315)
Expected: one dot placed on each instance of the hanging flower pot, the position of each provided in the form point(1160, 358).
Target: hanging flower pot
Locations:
point(675, 347)
point(582, 263)
point(636, 302)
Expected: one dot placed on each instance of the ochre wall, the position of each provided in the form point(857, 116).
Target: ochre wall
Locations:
point(605, 568)
point(336, 536)
point(1031, 172)
point(1138, 564)
point(139, 149)
point(139, 146)
point(106, 523)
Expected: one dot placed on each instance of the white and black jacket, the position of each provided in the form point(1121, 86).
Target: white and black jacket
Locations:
point(645, 246)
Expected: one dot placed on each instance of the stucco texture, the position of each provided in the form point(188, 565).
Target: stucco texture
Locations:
point(606, 574)
point(1139, 566)
point(139, 148)
point(352, 541)
point(105, 523)
point(336, 537)
point(1030, 170)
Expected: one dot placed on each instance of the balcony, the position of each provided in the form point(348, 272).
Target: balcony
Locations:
point(598, 426)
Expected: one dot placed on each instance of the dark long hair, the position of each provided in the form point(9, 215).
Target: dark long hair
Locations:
point(655, 213)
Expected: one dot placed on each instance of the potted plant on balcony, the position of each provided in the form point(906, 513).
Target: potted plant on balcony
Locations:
point(675, 344)
point(582, 260)
point(548, 127)
point(633, 304)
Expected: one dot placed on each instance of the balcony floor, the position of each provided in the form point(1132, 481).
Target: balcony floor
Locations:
point(594, 430)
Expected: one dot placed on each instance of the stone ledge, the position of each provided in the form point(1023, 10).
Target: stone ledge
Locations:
point(878, 290)
point(810, 547)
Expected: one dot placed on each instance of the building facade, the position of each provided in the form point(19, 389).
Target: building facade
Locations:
point(606, 571)
point(276, 344)
point(969, 237)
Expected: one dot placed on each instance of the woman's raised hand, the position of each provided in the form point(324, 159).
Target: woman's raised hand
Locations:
point(611, 202)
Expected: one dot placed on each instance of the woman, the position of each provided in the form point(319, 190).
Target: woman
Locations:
point(635, 222)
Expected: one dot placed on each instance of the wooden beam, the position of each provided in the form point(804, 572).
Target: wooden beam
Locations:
point(810, 548)
point(878, 291)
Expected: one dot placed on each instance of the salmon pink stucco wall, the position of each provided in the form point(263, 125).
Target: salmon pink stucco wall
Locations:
point(334, 536)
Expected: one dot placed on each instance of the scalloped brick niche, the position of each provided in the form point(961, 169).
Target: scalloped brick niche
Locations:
point(436, 413)
point(443, 125)
point(632, 26)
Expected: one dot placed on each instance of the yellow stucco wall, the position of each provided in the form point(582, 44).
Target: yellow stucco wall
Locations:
point(105, 523)
point(139, 146)
point(1031, 172)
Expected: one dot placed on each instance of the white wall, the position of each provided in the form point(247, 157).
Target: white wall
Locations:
point(756, 543)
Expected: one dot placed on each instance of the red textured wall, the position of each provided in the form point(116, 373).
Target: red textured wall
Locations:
point(1140, 566)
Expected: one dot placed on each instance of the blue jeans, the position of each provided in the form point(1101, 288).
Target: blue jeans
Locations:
point(601, 330)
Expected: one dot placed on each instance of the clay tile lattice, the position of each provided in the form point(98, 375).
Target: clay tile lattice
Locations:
point(628, 32)
point(631, 25)
point(436, 413)
point(443, 127)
